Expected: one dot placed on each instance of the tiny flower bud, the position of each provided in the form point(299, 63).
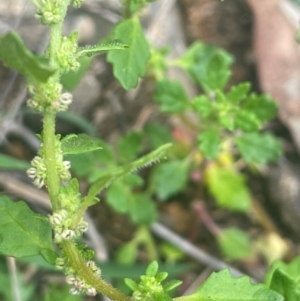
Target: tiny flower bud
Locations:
point(39, 182)
point(79, 284)
point(83, 226)
point(91, 291)
point(66, 98)
point(36, 161)
point(74, 291)
point(96, 271)
point(67, 164)
point(31, 172)
point(71, 279)
point(63, 213)
point(65, 175)
point(55, 219)
point(60, 263)
point(68, 234)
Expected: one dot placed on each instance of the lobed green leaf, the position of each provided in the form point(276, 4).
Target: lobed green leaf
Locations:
point(171, 96)
point(264, 107)
point(202, 105)
point(259, 148)
point(209, 143)
point(169, 178)
point(247, 121)
point(211, 68)
point(223, 286)
point(238, 92)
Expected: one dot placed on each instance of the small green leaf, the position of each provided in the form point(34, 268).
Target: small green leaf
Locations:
point(131, 284)
point(157, 135)
point(223, 286)
point(202, 105)
point(161, 276)
point(171, 285)
point(247, 121)
point(101, 48)
point(161, 296)
point(78, 144)
point(142, 209)
point(235, 244)
point(259, 148)
point(169, 178)
point(209, 143)
point(139, 206)
point(118, 197)
point(152, 269)
point(211, 68)
point(130, 145)
point(189, 58)
point(22, 232)
point(8, 162)
point(131, 64)
point(227, 121)
point(264, 107)
point(238, 93)
point(171, 96)
point(15, 55)
point(229, 188)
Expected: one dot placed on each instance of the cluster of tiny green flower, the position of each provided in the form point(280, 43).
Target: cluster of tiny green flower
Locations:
point(62, 104)
point(77, 284)
point(66, 56)
point(151, 285)
point(61, 225)
point(49, 12)
point(37, 171)
point(45, 96)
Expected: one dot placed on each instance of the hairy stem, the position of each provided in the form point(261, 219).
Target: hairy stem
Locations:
point(78, 264)
point(53, 181)
point(52, 176)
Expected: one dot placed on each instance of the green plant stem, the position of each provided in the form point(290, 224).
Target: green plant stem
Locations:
point(78, 264)
point(52, 177)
